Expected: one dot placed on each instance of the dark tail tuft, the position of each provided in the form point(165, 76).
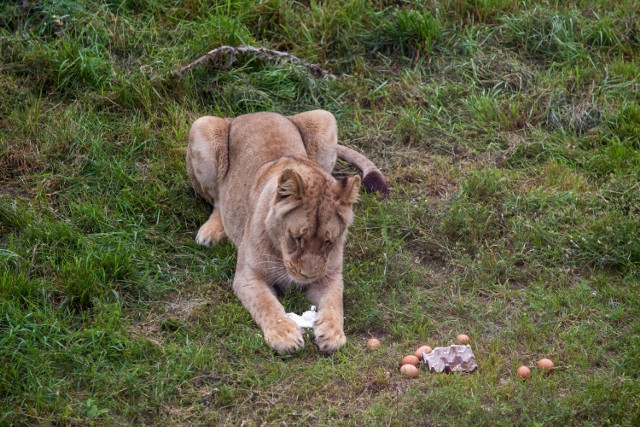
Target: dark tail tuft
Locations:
point(375, 182)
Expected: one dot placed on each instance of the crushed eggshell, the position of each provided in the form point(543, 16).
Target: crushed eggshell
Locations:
point(307, 319)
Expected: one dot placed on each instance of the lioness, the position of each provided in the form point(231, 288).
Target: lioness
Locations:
point(268, 178)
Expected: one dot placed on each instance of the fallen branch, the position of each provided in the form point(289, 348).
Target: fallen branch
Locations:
point(261, 52)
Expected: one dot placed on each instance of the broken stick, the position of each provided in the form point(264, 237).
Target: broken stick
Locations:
point(261, 52)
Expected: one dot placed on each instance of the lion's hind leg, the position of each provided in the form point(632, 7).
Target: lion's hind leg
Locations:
point(319, 132)
point(207, 162)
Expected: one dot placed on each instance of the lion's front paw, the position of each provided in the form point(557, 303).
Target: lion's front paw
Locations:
point(284, 337)
point(329, 335)
point(211, 232)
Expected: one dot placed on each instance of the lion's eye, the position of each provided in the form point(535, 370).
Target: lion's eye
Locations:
point(298, 240)
point(328, 243)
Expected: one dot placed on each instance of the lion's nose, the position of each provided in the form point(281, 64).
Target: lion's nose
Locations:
point(309, 272)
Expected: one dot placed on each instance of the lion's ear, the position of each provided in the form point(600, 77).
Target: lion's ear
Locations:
point(348, 192)
point(290, 185)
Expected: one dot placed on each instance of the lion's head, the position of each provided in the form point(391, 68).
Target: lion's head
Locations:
point(308, 221)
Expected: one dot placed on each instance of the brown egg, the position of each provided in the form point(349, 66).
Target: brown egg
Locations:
point(410, 360)
point(545, 364)
point(409, 371)
point(423, 349)
point(463, 339)
point(524, 372)
point(373, 344)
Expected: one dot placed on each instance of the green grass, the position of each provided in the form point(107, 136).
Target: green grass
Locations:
point(510, 134)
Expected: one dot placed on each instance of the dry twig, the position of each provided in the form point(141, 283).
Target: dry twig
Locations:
point(261, 52)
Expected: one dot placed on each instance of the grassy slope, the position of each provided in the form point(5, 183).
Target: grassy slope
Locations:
point(511, 136)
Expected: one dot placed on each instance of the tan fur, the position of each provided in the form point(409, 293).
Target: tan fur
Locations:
point(269, 180)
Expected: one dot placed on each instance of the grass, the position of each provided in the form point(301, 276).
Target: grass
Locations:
point(509, 132)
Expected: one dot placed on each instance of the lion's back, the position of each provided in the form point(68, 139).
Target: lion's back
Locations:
point(254, 140)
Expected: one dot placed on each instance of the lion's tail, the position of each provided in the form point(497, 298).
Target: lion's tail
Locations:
point(372, 178)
